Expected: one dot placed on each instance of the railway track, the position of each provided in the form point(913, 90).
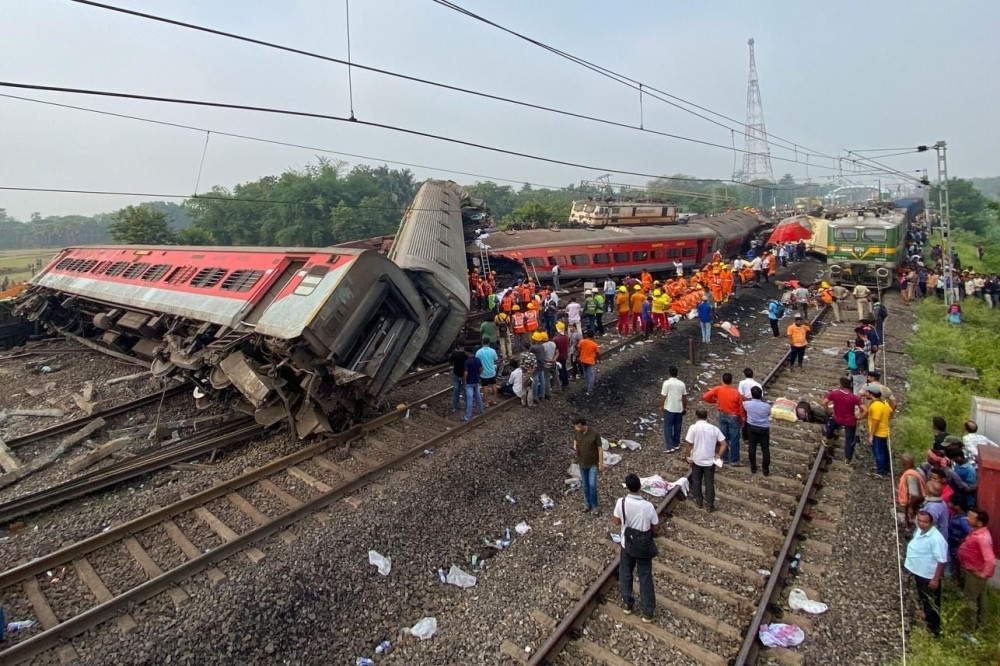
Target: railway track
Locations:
point(712, 597)
point(206, 528)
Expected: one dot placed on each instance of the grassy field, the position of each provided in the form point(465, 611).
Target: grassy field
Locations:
point(972, 343)
point(20, 261)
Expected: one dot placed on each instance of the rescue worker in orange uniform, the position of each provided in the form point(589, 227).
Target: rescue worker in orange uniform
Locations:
point(715, 286)
point(507, 302)
point(517, 325)
point(638, 298)
point(531, 318)
point(647, 280)
point(622, 303)
point(728, 282)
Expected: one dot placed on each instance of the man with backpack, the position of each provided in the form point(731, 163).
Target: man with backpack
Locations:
point(879, 314)
point(775, 311)
point(502, 322)
point(857, 365)
point(639, 522)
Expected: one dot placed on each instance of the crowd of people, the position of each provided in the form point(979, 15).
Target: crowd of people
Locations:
point(948, 536)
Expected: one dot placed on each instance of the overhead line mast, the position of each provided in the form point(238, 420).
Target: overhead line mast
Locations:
point(757, 158)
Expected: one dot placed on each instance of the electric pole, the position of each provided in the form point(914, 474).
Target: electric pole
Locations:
point(942, 165)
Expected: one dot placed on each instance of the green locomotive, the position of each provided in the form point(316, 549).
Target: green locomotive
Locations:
point(865, 246)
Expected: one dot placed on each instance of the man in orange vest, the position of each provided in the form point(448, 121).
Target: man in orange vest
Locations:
point(911, 491)
point(507, 302)
point(715, 286)
point(638, 298)
point(531, 318)
point(728, 283)
point(517, 323)
point(622, 303)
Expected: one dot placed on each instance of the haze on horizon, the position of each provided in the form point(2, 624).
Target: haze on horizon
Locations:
point(849, 76)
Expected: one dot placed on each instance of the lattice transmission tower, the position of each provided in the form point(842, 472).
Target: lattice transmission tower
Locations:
point(757, 158)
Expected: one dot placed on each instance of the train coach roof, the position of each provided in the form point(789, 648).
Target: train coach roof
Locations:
point(889, 222)
point(219, 249)
point(530, 238)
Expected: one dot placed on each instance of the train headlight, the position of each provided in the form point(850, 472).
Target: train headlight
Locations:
point(882, 272)
point(835, 269)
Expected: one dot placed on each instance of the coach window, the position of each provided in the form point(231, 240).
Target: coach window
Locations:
point(557, 259)
point(621, 257)
point(673, 253)
point(658, 255)
point(875, 235)
point(579, 259)
point(602, 258)
point(537, 262)
point(845, 234)
point(688, 252)
point(640, 255)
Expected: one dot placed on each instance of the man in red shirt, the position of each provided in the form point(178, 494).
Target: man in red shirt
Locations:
point(731, 414)
point(841, 404)
point(978, 563)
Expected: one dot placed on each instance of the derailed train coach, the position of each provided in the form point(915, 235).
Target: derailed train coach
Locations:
point(316, 335)
point(430, 248)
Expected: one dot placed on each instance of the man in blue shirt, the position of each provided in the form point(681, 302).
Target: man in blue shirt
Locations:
point(488, 376)
point(774, 312)
point(926, 555)
point(758, 429)
point(705, 318)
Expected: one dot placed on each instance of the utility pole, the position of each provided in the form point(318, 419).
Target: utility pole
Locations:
point(942, 166)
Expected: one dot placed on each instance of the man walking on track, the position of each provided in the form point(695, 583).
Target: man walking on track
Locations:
point(673, 404)
point(798, 341)
point(635, 514)
point(861, 294)
point(758, 429)
point(704, 443)
point(841, 403)
point(705, 319)
point(731, 414)
point(590, 457)
point(879, 413)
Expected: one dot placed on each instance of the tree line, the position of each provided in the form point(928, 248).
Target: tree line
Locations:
point(325, 203)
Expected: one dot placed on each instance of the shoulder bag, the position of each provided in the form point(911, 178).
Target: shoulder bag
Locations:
point(637, 543)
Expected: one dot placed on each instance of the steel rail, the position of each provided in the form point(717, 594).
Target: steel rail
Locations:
point(580, 612)
point(75, 424)
point(48, 639)
point(199, 444)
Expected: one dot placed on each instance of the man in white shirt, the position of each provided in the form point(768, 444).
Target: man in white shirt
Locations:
point(755, 264)
point(972, 440)
point(515, 383)
point(555, 276)
point(679, 268)
point(748, 383)
point(636, 512)
point(609, 294)
point(673, 404)
point(704, 443)
point(573, 312)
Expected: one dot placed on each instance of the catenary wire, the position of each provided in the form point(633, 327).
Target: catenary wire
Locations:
point(498, 98)
point(630, 82)
point(365, 123)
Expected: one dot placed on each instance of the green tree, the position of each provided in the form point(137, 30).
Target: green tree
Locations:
point(968, 206)
point(194, 236)
point(137, 225)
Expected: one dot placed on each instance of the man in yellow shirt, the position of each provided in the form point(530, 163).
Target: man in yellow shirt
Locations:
point(797, 341)
point(879, 413)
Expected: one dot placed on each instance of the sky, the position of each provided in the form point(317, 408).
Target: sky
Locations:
point(833, 77)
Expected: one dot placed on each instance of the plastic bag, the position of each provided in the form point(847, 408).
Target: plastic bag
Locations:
point(605, 444)
point(547, 502)
point(798, 600)
point(611, 458)
point(522, 528)
point(783, 409)
point(630, 444)
point(458, 577)
point(781, 635)
point(425, 628)
point(573, 474)
point(383, 563)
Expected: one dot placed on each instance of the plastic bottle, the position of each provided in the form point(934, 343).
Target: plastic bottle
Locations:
point(506, 534)
point(793, 567)
point(382, 647)
point(23, 624)
point(364, 661)
point(441, 576)
point(510, 499)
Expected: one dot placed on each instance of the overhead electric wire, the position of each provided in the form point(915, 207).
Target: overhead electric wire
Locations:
point(870, 163)
point(630, 82)
point(277, 142)
point(365, 123)
point(497, 98)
